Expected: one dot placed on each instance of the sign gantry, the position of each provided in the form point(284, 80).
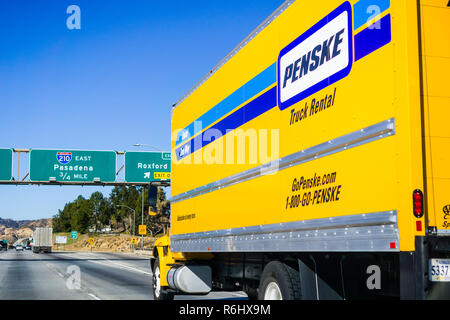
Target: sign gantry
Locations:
point(86, 167)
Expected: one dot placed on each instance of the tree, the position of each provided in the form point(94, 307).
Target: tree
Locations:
point(124, 196)
point(101, 210)
point(81, 214)
point(75, 216)
point(98, 211)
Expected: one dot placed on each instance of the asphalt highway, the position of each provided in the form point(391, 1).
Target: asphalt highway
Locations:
point(80, 276)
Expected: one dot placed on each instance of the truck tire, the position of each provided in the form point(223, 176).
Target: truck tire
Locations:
point(159, 293)
point(279, 282)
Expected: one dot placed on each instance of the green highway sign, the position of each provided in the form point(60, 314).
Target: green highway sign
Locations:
point(142, 167)
point(72, 165)
point(6, 160)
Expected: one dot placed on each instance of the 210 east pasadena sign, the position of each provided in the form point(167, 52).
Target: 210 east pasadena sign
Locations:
point(72, 165)
point(65, 158)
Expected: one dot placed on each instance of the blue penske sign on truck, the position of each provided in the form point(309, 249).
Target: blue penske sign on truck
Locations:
point(318, 58)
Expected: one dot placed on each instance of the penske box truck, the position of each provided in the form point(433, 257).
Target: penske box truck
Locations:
point(313, 162)
point(43, 240)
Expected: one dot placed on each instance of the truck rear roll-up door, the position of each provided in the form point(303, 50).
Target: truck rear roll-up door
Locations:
point(435, 38)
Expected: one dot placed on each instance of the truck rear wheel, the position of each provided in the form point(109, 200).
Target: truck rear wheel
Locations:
point(159, 292)
point(279, 281)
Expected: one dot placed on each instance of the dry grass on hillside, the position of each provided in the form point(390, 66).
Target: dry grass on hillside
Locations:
point(105, 243)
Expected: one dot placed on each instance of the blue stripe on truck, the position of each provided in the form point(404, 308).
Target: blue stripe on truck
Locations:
point(250, 111)
point(370, 40)
point(259, 83)
point(364, 10)
point(365, 42)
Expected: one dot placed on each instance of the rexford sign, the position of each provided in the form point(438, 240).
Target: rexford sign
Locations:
point(146, 167)
point(318, 58)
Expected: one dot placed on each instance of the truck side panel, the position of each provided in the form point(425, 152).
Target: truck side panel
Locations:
point(342, 154)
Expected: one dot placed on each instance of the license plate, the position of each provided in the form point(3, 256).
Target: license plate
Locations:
point(439, 270)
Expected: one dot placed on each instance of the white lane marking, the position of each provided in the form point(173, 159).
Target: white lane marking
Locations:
point(84, 289)
point(109, 263)
point(129, 268)
point(94, 296)
point(54, 269)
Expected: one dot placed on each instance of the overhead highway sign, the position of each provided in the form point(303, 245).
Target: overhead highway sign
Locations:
point(72, 166)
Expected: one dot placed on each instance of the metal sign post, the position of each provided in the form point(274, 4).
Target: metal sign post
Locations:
point(142, 220)
point(91, 242)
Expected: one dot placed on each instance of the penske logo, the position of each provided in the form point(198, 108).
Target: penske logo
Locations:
point(318, 58)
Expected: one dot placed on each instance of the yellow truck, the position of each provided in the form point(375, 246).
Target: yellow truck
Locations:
point(313, 162)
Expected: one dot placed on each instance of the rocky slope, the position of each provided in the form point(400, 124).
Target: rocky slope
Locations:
point(13, 230)
point(104, 243)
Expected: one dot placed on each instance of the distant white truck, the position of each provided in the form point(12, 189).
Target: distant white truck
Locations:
point(42, 240)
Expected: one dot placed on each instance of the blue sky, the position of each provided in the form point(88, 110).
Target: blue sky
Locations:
point(106, 86)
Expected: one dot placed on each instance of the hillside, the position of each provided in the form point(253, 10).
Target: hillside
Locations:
point(105, 243)
point(13, 230)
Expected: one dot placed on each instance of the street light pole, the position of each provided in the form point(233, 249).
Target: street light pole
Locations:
point(142, 223)
point(143, 188)
point(134, 213)
point(146, 145)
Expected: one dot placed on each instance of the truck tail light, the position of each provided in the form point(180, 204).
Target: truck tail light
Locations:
point(418, 225)
point(418, 203)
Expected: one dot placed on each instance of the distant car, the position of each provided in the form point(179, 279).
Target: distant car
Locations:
point(19, 248)
point(27, 248)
